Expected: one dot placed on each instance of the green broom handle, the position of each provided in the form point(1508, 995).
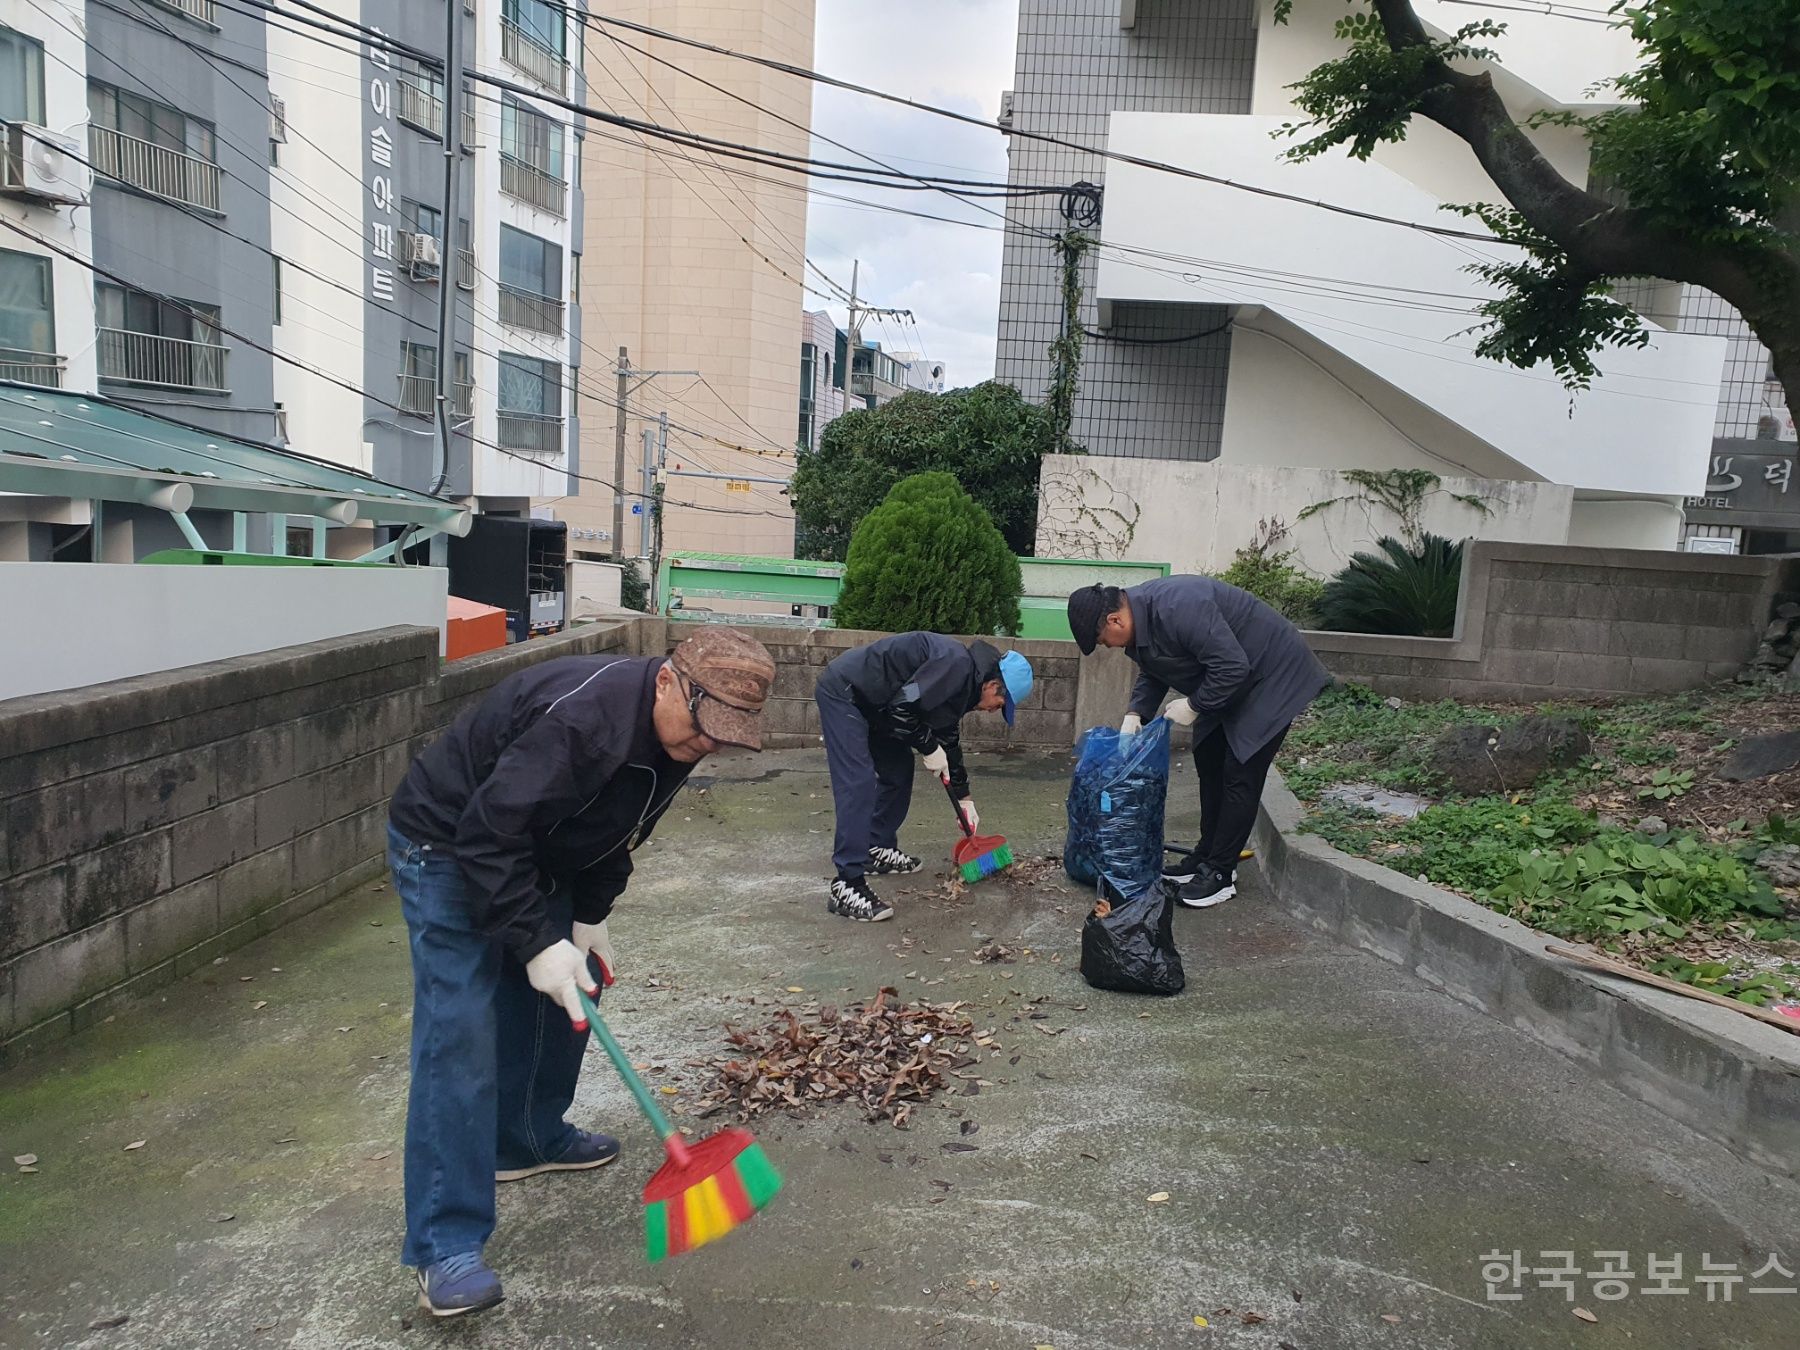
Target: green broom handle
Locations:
point(670, 1136)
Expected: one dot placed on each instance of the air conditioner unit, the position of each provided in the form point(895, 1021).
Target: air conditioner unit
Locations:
point(45, 165)
point(423, 255)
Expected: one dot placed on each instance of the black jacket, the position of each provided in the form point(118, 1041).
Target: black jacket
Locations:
point(917, 688)
point(549, 782)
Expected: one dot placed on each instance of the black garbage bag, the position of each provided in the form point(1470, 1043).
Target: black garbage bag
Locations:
point(1132, 948)
point(1116, 808)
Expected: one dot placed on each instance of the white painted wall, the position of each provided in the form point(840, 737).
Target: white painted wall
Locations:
point(73, 624)
point(316, 206)
point(1615, 522)
point(1375, 297)
point(59, 25)
point(1196, 515)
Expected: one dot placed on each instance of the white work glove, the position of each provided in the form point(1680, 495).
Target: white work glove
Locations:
point(556, 971)
point(970, 814)
point(591, 937)
point(938, 761)
point(1131, 725)
point(1181, 713)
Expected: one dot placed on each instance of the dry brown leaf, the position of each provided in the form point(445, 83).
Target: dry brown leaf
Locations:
point(135, 1145)
point(1585, 1315)
point(1390, 1319)
point(1251, 1319)
point(1156, 1198)
point(25, 1159)
point(259, 1005)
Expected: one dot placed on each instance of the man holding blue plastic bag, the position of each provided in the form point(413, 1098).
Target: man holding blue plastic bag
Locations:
point(1243, 674)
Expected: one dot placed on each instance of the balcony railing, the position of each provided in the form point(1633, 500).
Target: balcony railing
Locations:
point(532, 185)
point(465, 268)
point(420, 107)
point(418, 397)
point(468, 127)
point(41, 368)
point(155, 169)
point(541, 433)
point(531, 56)
point(534, 313)
point(203, 10)
point(149, 358)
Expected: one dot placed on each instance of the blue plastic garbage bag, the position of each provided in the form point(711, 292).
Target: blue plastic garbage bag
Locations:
point(1116, 809)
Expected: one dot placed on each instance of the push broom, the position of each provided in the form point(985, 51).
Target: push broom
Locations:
point(976, 855)
point(705, 1189)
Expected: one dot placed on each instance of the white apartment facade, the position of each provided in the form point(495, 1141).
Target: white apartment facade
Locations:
point(1238, 337)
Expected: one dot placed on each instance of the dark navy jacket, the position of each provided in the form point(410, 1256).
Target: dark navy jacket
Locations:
point(549, 782)
point(917, 688)
point(1238, 662)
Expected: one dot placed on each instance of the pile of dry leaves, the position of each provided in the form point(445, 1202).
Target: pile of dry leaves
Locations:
point(886, 1055)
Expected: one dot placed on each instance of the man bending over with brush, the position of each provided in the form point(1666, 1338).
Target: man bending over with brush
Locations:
point(880, 705)
point(509, 841)
point(1244, 674)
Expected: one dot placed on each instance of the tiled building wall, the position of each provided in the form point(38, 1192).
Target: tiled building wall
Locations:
point(1746, 360)
point(1075, 67)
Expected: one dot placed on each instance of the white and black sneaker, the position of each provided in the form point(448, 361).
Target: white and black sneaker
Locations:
point(887, 862)
point(1209, 887)
point(1181, 869)
point(851, 898)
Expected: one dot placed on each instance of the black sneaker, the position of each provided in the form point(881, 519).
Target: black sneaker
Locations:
point(888, 862)
point(1181, 869)
point(851, 898)
point(1208, 888)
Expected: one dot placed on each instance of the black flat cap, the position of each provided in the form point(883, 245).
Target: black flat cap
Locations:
point(1087, 609)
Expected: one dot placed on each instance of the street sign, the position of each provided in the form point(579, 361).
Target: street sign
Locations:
point(637, 508)
point(736, 485)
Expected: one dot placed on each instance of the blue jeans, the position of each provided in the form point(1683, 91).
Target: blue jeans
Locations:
point(494, 1062)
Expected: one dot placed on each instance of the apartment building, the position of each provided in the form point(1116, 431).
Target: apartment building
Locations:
point(238, 227)
point(1258, 334)
point(703, 273)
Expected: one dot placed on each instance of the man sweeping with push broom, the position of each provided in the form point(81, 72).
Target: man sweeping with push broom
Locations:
point(509, 841)
point(880, 705)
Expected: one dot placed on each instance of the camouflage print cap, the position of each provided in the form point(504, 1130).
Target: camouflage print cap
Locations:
point(734, 672)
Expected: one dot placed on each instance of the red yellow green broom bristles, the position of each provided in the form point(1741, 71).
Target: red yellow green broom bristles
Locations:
point(705, 1189)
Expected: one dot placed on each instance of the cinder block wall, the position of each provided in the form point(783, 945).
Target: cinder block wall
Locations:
point(1045, 720)
point(1545, 621)
point(151, 824)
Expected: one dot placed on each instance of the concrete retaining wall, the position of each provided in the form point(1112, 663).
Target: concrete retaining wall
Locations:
point(1047, 718)
point(1543, 621)
point(1725, 1075)
point(151, 824)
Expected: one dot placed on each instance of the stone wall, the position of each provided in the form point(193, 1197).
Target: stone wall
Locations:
point(1539, 621)
point(151, 824)
point(1046, 719)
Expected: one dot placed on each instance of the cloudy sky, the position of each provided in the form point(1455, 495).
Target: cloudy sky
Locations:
point(955, 54)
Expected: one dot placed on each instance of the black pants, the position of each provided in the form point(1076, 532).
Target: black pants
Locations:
point(1230, 789)
point(871, 781)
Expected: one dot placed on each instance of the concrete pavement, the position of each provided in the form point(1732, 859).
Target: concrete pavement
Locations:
point(1339, 1145)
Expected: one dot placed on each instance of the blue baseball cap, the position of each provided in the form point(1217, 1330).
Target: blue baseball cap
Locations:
point(1015, 678)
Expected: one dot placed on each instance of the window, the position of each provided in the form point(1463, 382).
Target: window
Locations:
point(531, 282)
point(574, 278)
point(539, 20)
point(275, 264)
point(27, 310)
point(530, 404)
point(422, 219)
point(277, 127)
point(152, 146)
point(21, 78)
point(809, 362)
point(418, 379)
point(421, 98)
point(463, 402)
point(531, 138)
point(146, 339)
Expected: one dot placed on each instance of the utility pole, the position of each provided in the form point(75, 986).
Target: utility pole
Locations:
point(858, 313)
point(446, 324)
point(618, 528)
point(655, 507)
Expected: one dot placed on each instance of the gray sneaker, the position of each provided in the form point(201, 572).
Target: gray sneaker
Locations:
point(584, 1151)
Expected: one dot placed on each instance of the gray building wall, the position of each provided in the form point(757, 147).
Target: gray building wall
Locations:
point(404, 445)
point(1075, 67)
point(218, 75)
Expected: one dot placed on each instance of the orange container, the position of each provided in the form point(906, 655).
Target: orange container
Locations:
point(473, 628)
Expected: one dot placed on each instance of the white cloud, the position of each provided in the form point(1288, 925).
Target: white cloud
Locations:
point(954, 53)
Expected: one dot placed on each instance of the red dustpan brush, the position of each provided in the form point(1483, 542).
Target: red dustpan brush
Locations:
point(976, 855)
point(705, 1189)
